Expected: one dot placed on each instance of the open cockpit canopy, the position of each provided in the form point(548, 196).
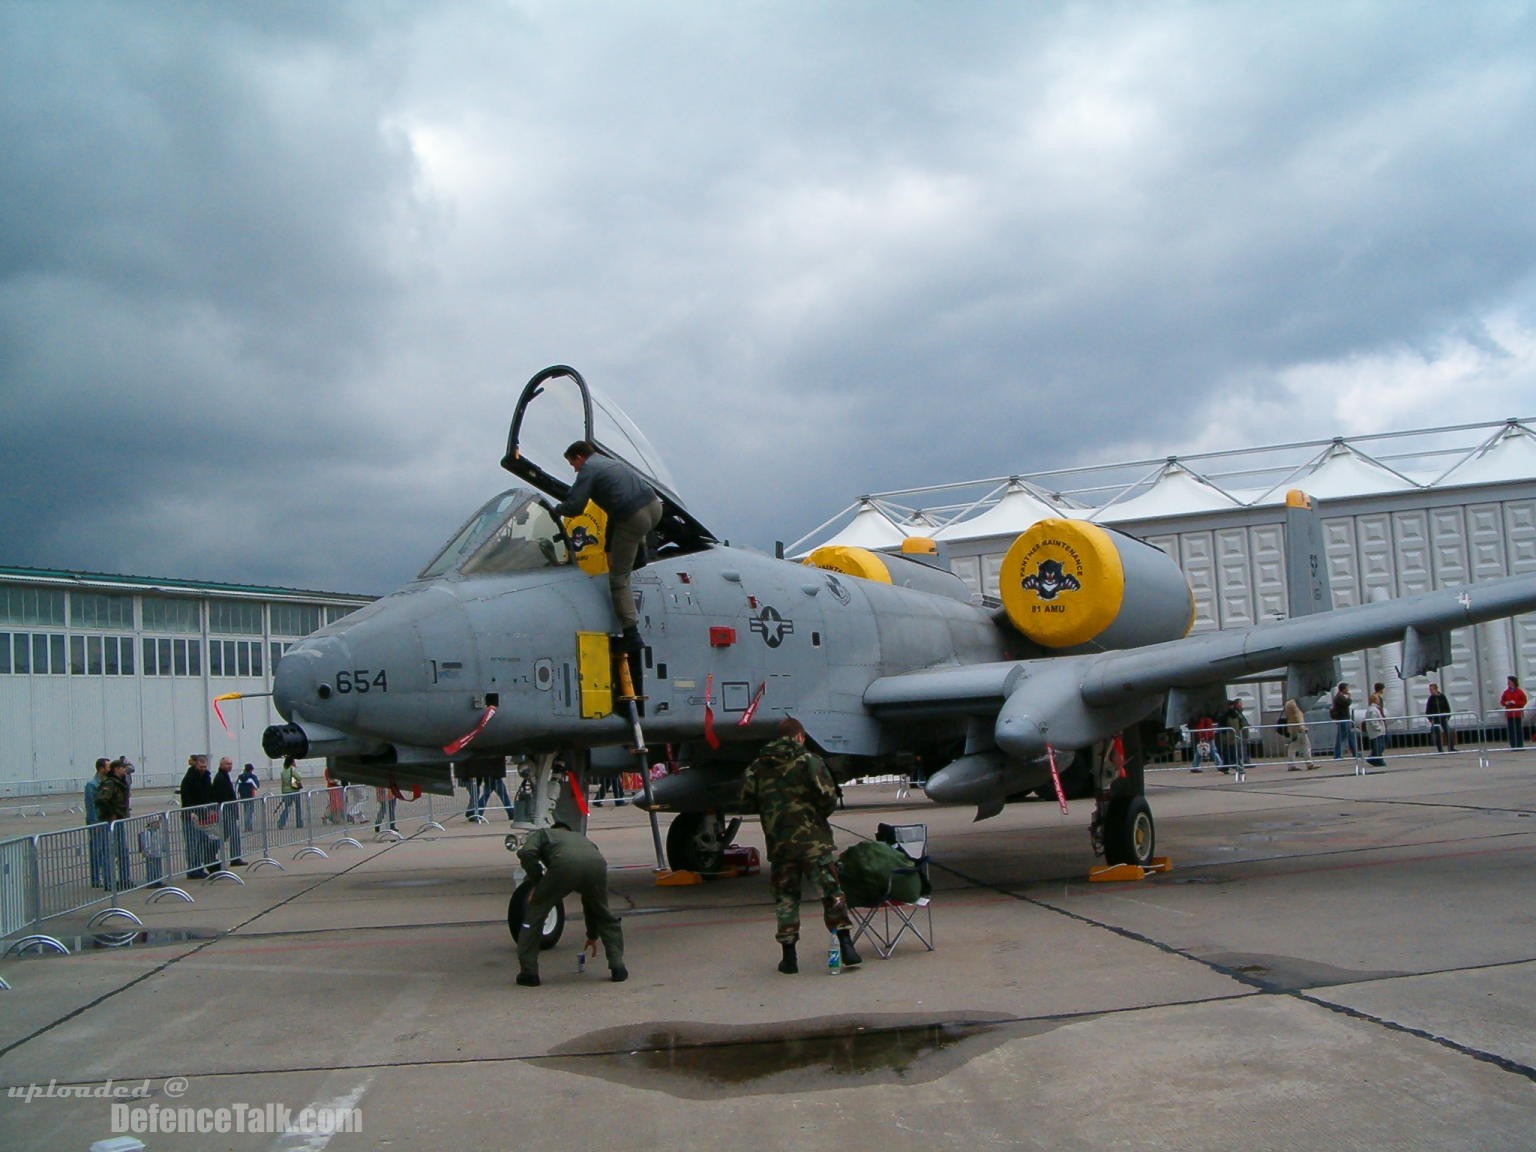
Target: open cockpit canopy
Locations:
point(558, 407)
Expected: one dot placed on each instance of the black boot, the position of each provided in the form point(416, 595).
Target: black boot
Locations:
point(789, 965)
point(851, 958)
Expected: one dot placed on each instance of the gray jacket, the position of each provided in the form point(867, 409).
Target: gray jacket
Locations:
point(611, 484)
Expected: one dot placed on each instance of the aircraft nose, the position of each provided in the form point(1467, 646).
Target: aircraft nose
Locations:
point(305, 677)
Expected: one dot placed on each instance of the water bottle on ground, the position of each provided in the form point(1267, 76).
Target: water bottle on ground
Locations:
point(834, 956)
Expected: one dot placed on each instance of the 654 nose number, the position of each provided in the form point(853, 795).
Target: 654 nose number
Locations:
point(362, 680)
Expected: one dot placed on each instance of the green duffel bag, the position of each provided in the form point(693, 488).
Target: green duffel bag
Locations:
point(870, 867)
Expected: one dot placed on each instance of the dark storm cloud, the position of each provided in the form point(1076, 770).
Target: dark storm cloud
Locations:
point(271, 275)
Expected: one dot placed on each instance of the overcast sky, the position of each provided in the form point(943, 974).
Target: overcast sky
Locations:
point(272, 274)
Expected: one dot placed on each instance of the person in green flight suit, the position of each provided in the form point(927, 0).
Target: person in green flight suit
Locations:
point(790, 788)
point(565, 861)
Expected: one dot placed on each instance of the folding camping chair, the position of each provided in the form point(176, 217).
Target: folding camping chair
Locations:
point(886, 921)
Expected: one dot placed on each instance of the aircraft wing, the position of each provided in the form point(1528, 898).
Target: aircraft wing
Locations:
point(1072, 701)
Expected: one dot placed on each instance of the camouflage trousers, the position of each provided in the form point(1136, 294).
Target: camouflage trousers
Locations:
point(788, 876)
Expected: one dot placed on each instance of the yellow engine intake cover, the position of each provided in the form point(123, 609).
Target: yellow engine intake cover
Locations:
point(1063, 582)
point(850, 562)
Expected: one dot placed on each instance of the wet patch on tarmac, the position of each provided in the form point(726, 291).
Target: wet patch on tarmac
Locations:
point(718, 1061)
point(1288, 973)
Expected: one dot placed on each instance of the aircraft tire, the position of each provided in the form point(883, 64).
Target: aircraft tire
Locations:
point(554, 923)
point(692, 845)
point(1130, 836)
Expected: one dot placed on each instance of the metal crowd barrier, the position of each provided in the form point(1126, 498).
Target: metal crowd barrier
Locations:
point(1409, 735)
point(57, 873)
point(18, 886)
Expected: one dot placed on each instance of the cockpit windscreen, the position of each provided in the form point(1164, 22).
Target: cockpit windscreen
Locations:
point(512, 533)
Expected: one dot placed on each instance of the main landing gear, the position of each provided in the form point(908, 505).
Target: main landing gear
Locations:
point(1122, 829)
point(1129, 835)
point(697, 841)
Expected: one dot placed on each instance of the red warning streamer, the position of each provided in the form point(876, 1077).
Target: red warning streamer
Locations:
point(709, 713)
point(578, 795)
point(394, 789)
point(746, 717)
point(1061, 795)
point(219, 712)
point(463, 741)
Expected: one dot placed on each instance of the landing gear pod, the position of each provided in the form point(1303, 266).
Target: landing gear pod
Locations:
point(1068, 582)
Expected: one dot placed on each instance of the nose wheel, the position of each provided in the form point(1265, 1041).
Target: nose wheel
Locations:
point(549, 931)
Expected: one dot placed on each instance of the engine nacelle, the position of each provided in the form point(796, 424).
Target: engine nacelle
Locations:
point(886, 569)
point(1065, 583)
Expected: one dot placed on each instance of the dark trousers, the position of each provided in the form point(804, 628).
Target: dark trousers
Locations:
point(200, 849)
point(291, 803)
point(1345, 737)
point(99, 855)
point(232, 831)
point(497, 785)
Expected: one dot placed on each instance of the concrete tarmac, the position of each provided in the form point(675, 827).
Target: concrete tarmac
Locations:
point(1335, 962)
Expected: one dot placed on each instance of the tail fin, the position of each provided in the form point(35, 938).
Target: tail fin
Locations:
point(1307, 592)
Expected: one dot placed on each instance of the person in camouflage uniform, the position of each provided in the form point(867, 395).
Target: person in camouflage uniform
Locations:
point(112, 804)
point(789, 786)
point(564, 862)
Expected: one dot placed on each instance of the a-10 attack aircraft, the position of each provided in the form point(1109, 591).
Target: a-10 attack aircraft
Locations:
point(501, 648)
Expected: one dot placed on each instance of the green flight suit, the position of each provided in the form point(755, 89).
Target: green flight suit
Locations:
point(570, 863)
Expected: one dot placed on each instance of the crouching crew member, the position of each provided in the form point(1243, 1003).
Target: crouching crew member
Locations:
point(563, 862)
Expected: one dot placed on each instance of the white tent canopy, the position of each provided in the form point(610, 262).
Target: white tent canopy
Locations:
point(1343, 471)
point(869, 528)
point(1017, 509)
point(1510, 455)
point(1174, 491)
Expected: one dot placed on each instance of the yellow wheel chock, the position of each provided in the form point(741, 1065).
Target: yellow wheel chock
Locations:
point(674, 878)
point(1107, 872)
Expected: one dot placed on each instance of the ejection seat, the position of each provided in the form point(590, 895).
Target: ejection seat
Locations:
point(899, 913)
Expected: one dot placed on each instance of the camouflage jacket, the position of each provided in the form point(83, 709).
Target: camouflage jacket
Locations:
point(790, 788)
point(111, 800)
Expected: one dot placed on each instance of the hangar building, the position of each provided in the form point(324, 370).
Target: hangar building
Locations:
point(97, 665)
point(1403, 512)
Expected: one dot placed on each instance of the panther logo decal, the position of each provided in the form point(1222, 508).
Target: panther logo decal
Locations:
point(1049, 580)
point(581, 538)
